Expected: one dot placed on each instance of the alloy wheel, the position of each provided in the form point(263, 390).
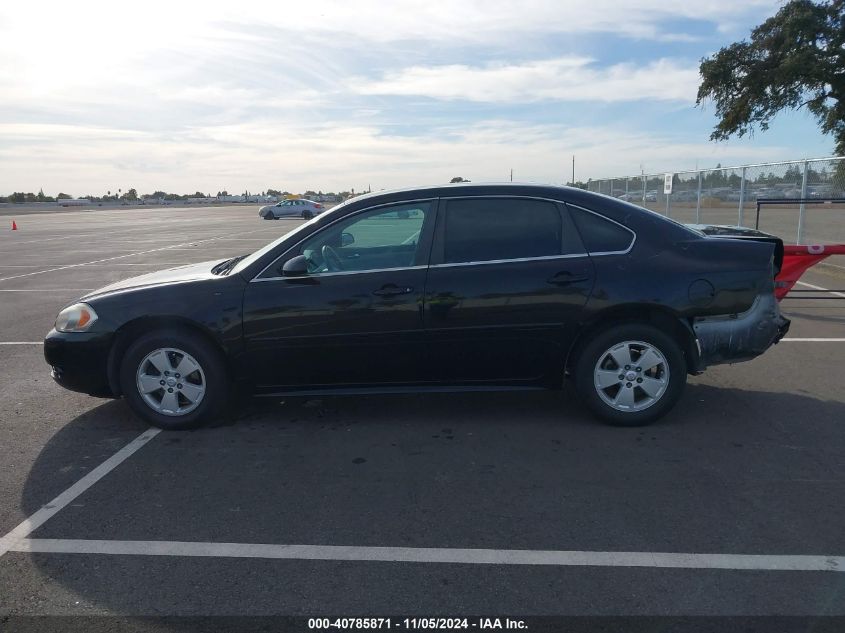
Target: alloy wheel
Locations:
point(170, 381)
point(631, 376)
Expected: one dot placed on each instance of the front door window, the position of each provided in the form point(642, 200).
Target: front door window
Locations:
point(379, 239)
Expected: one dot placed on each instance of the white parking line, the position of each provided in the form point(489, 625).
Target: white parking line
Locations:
point(110, 264)
point(188, 248)
point(814, 287)
point(159, 264)
point(21, 342)
point(108, 259)
point(12, 540)
point(228, 239)
point(45, 289)
point(53, 239)
point(671, 560)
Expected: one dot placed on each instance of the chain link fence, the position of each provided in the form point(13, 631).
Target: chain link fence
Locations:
point(728, 195)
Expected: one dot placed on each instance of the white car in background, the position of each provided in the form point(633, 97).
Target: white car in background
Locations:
point(299, 208)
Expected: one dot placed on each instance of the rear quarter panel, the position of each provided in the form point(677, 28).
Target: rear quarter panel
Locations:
point(661, 272)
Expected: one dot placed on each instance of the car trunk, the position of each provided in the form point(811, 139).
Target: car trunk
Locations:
point(743, 233)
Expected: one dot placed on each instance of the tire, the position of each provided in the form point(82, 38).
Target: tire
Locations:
point(638, 404)
point(270, 216)
point(307, 215)
point(140, 366)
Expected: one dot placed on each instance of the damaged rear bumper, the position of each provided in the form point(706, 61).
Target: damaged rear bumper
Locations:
point(740, 337)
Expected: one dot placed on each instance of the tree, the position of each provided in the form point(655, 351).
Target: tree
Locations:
point(458, 179)
point(132, 194)
point(64, 196)
point(794, 59)
point(44, 198)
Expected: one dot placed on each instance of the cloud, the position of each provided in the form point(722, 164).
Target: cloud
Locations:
point(560, 79)
point(93, 41)
point(497, 21)
point(257, 93)
point(336, 156)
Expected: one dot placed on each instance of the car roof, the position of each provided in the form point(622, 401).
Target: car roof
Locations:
point(633, 216)
point(555, 192)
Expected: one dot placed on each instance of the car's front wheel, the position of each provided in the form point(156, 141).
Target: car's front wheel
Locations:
point(630, 375)
point(174, 379)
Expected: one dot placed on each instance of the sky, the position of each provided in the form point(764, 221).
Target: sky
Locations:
point(328, 95)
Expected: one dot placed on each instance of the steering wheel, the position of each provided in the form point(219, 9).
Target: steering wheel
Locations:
point(333, 261)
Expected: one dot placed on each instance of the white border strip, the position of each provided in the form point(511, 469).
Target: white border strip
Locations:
point(820, 288)
point(758, 562)
point(21, 342)
point(12, 540)
point(813, 340)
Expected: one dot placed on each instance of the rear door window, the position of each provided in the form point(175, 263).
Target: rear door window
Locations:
point(601, 235)
point(490, 229)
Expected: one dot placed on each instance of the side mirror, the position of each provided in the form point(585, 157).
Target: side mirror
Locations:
point(346, 239)
point(295, 267)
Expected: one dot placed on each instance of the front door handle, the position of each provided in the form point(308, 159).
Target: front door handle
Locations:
point(565, 277)
point(392, 290)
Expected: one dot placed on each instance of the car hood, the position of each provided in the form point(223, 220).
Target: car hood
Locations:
point(191, 272)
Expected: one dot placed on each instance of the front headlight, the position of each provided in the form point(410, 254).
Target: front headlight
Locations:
point(76, 318)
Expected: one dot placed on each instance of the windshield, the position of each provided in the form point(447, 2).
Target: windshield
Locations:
point(254, 257)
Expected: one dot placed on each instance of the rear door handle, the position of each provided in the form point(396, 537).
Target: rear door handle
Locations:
point(392, 290)
point(565, 277)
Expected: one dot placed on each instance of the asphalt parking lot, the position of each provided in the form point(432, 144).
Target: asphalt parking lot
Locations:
point(487, 504)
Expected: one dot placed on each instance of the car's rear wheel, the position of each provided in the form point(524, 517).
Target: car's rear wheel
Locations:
point(307, 215)
point(630, 375)
point(174, 379)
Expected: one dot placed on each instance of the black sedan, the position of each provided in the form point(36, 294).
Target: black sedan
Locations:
point(466, 287)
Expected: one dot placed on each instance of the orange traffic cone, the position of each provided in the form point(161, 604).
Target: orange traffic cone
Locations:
point(14, 226)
